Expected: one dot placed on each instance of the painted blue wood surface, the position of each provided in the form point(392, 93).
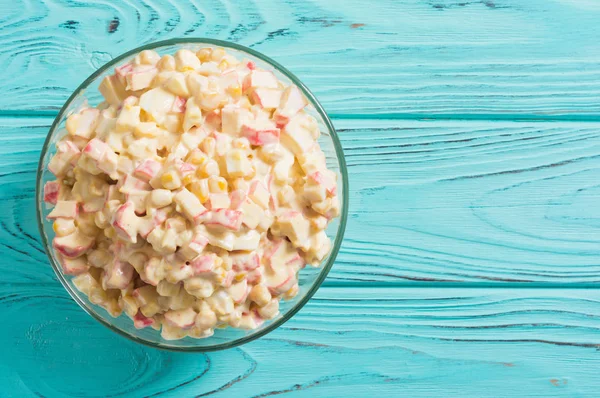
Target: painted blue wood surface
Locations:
point(472, 254)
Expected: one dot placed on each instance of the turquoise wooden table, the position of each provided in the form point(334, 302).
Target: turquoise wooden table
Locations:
point(471, 263)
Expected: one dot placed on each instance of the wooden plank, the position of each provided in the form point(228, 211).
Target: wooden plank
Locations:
point(459, 201)
point(442, 57)
point(345, 342)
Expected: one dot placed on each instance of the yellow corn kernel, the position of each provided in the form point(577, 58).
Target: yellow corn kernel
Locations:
point(234, 91)
point(223, 65)
point(200, 189)
point(217, 184)
point(166, 178)
point(240, 277)
point(55, 227)
point(196, 158)
point(170, 180)
point(187, 179)
point(186, 69)
point(204, 54)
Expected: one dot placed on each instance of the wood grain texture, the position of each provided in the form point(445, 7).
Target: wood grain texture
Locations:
point(430, 201)
point(392, 57)
point(346, 342)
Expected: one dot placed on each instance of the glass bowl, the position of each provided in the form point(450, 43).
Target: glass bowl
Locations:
point(309, 278)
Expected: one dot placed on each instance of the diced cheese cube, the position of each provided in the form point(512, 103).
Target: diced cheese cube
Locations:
point(259, 194)
point(268, 98)
point(248, 241)
point(140, 78)
point(157, 102)
point(177, 84)
point(84, 123)
point(252, 214)
point(112, 90)
point(295, 226)
point(161, 197)
point(285, 195)
point(233, 117)
point(260, 78)
point(189, 204)
point(193, 115)
point(237, 163)
point(186, 60)
point(146, 129)
point(128, 119)
point(219, 201)
point(196, 84)
point(147, 57)
point(296, 136)
point(64, 209)
point(292, 102)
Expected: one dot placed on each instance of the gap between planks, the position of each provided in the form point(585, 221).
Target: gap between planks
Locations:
point(7, 113)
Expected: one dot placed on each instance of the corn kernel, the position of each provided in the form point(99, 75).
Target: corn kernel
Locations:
point(240, 277)
point(170, 180)
point(204, 54)
point(110, 233)
point(234, 91)
point(55, 227)
point(223, 65)
point(186, 69)
point(187, 179)
point(200, 189)
point(196, 158)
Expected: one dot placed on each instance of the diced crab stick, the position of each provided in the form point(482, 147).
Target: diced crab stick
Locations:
point(202, 264)
point(51, 192)
point(226, 218)
point(184, 318)
point(140, 321)
point(292, 102)
point(280, 282)
point(179, 105)
point(327, 180)
point(73, 245)
point(147, 170)
point(73, 266)
point(239, 291)
point(151, 221)
point(65, 158)
point(125, 222)
point(260, 133)
point(237, 197)
point(117, 275)
point(246, 262)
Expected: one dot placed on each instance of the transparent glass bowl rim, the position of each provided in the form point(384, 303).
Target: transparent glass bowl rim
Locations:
point(340, 158)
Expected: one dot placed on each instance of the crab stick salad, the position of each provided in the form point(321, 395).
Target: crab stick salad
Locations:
point(193, 195)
